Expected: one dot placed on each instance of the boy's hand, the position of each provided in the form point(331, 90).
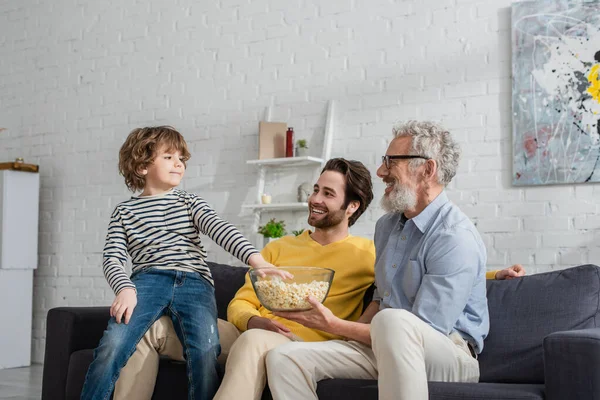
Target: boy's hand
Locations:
point(273, 271)
point(124, 305)
point(264, 268)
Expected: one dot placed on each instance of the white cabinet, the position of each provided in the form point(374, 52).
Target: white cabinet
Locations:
point(19, 210)
point(291, 162)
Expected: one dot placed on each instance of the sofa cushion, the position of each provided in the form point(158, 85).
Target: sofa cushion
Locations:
point(347, 389)
point(524, 311)
point(228, 280)
point(78, 366)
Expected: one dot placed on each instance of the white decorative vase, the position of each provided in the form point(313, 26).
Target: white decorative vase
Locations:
point(304, 191)
point(301, 152)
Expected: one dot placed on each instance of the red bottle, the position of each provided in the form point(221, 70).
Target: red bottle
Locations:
point(289, 142)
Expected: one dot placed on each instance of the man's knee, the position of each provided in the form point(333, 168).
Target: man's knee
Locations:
point(228, 333)
point(279, 358)
point(392, 322)
point(251, 340)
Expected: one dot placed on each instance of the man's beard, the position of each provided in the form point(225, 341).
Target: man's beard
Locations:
point(332, 219)
point(400, 199)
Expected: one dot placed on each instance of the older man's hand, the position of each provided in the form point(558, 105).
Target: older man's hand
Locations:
point(319, 317)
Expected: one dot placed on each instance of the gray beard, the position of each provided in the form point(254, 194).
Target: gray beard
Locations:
point(400, 199)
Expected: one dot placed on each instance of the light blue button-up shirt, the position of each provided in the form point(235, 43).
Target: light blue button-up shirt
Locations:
point(433, 265)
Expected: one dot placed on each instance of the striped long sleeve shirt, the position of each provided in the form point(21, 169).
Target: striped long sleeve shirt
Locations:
point(164, 232)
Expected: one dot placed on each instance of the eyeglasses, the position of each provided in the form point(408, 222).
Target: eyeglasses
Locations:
point(385, 160)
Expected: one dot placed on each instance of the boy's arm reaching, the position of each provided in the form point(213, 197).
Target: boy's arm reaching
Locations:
point(221, 232)
point(231, 239)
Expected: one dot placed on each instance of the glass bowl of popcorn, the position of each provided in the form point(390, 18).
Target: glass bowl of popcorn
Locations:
point(277, 294)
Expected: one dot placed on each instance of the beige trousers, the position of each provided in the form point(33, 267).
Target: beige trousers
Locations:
point(406, 352)
point(138, 377)
point(245, 371)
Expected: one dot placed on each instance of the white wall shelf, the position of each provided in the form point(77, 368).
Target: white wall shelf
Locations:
point(277, 207)
point(308, 161)
point(288, 161)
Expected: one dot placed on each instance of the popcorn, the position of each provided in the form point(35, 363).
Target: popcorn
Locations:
point(280, 296)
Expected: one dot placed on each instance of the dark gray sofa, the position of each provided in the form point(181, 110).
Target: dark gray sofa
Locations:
point(544, 343)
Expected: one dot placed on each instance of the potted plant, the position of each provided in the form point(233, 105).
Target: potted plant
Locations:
point(298, 232)
point(272, 230)
point(301, 148)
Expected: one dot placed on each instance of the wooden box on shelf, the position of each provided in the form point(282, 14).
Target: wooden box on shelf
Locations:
point(271, 139)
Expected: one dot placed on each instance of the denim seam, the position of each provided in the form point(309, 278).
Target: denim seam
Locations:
point(187, 354)
point(183, 278)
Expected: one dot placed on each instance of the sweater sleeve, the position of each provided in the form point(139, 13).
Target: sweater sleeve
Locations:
point(115, 255)
point(245, 304)
point(220, 231)
point(491, 274)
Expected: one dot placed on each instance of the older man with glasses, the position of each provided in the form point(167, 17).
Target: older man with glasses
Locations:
point(429, 315)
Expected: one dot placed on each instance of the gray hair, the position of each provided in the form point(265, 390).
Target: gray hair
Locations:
point(433, 141)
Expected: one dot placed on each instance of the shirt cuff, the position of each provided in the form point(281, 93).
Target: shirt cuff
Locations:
point(131, 286)
point(248, 258)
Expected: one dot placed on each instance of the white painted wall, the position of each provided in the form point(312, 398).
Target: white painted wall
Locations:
point(77, 75)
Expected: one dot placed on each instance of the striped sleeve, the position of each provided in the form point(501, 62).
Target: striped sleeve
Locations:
point(115, 255)
point(221, 232)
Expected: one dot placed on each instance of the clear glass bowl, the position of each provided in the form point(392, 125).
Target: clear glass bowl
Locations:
point(277, 294)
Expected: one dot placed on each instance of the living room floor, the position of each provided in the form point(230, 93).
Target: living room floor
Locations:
point(21, 383)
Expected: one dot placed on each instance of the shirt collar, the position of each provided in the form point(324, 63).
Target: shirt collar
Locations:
point(422, 220)
point(154, 196)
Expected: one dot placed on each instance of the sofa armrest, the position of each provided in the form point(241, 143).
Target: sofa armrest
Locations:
point(69, 329)
point(571, 360)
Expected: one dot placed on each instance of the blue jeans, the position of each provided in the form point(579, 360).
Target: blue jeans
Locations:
point(190, 301)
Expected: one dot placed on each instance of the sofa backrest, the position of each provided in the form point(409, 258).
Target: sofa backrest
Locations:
point(523, 311)
point(228, 280)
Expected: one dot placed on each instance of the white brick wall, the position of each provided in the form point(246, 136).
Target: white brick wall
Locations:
point(77, 76)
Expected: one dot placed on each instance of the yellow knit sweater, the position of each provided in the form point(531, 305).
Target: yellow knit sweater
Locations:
point(491, 274)
point(352, 259)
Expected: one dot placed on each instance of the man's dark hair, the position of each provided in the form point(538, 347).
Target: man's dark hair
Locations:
point(359, 186)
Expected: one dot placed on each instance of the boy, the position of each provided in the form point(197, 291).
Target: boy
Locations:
point(159, 230)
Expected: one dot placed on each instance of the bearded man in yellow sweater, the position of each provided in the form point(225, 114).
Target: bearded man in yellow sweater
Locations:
point(340, 196)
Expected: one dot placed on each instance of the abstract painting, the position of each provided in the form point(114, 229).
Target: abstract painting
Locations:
point(556, 92)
